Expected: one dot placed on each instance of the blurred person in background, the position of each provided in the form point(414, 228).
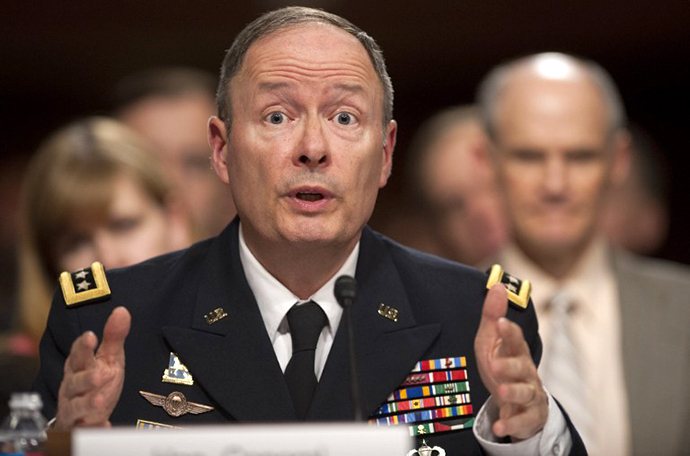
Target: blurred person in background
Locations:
point(452, 183)
point(170, 107)
point(616, 345)
point(93, 192)
point(636, 215)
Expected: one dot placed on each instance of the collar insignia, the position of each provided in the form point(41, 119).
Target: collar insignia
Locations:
point(518, 290)
point(388, 312)
point(213, 317)
point(85, 286)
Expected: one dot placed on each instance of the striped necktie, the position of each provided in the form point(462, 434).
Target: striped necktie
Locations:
point(562, 370)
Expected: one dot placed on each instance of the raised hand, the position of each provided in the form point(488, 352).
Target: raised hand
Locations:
point(92, 383)
point(508, 371)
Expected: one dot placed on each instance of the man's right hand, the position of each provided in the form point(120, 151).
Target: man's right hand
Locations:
point(92, 383)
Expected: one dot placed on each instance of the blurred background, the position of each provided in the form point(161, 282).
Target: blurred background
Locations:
point(61, 60)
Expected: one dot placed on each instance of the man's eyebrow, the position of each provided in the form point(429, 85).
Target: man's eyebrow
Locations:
point(269, 86)
point(353, 88)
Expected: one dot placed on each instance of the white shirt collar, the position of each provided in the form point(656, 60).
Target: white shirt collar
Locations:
point(275, 300)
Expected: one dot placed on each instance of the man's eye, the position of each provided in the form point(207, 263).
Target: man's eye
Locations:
point(527, 155)
point(345, 118)
point(276, 118)
point(124, 224)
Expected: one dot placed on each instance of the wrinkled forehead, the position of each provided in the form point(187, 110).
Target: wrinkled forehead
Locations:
point(312, 49)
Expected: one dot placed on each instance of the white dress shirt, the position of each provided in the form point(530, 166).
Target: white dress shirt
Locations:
point(275, 300)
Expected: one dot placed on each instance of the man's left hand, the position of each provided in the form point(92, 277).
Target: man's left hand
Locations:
point(508, 371)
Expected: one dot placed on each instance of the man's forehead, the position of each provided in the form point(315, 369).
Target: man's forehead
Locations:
point(557, 103)
point(309, 50)
point(306, 33)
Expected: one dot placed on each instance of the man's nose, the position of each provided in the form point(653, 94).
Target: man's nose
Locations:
point(313, 148)
point(555, 175)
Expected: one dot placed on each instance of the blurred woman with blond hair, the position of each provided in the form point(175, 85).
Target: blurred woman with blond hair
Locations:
point(93, 192)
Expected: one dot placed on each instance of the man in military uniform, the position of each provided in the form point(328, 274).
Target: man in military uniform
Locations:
point(222, 331)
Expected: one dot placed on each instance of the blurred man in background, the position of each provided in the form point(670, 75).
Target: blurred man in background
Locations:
point(636, 216)
point(170, 108)
point(614, 326)
point(452, 182)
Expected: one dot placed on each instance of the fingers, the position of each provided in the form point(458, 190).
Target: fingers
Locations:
point(495, 307)
point(514, 370)
point(81, 353)
point(114, 334)
point(522, 421)
point(508, 371)
point(81, 383)
point(92, 383)
point(518, 393)
point(512, 339)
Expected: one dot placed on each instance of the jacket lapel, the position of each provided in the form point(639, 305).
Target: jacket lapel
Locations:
point(386, 350)
point(232, 359)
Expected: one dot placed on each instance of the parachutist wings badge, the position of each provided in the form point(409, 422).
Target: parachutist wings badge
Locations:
point(175, 404)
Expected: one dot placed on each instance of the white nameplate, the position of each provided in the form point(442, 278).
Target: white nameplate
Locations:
point(246, 440)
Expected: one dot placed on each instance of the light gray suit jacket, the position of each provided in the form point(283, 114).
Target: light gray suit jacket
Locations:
point(655, 309)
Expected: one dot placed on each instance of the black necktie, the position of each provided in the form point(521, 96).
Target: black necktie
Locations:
point(306, 322)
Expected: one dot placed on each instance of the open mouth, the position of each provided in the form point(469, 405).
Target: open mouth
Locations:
point(306, 196)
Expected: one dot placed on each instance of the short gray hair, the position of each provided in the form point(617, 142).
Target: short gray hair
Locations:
point(283, 18)
point(491, 86)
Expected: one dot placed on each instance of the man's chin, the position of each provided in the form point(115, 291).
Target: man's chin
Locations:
point(551, 245)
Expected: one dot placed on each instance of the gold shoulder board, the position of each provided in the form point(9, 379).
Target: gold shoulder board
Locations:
point(518, 290)
point(85, 286)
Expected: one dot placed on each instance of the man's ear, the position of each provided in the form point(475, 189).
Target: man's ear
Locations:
point(622, 155)
point(388, 147)
point(218, 140)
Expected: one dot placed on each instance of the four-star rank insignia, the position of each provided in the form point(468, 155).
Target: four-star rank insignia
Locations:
point(85, 286)
point(518, 290)
point(177, 372)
